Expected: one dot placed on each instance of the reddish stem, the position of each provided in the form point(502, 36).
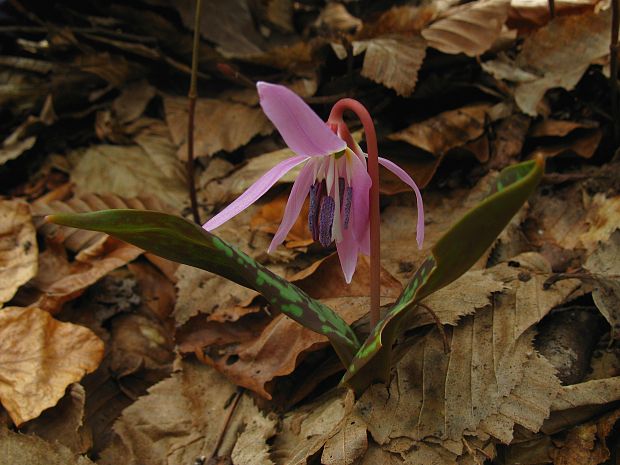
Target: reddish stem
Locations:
point(373, 170)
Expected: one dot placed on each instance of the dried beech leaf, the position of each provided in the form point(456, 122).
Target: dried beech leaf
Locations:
point(220, 125)
point(306, 429)
point(39, 358)
point(18, 448)
point(441, 396)
point(175, 422)
point(604, 264)
point(347, 445)
point(64, 422)
point(595, 392)
point(18, 248)
point(335, 17)
point(251, 447)
point(130, 171)
point(393, 61)
point(470, 29)
point(448, 130)
point(78, 240)
point(59, 280)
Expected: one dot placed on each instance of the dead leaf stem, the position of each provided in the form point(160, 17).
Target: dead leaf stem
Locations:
point(220, 437)
point(193, 96)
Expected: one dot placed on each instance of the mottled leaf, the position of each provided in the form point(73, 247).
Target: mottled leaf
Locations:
point(177, 239)
point(456, 251)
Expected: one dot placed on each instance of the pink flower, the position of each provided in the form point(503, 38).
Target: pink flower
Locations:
point(333, 174)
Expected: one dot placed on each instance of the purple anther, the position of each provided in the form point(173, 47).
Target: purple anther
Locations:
point(326, 220)
point(347, 206)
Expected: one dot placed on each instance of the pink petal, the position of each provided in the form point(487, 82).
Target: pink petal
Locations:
point(361, 182)
point(296, 199)
point(254, 192)
point(347, 253)
point(398, 171)
point(300, 127)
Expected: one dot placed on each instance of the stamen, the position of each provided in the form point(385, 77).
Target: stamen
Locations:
point(347, 206)
point(326, 220)
point(316, 191)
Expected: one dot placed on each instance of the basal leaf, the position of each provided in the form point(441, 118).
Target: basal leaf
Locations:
point(177, 239)
point(451, 256)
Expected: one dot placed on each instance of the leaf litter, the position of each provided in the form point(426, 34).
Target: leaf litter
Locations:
point(96, 117)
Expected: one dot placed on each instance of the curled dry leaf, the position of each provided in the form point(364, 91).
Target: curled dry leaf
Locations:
point(40, 357)
point(20, 448)
point(18, 248)
point(470, 29)
point(220, 125)
point(448, 130)
point(335, 17)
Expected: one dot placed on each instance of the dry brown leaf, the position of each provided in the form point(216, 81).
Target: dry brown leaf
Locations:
point(40, 357)
point(489, 375)
point(604, 264)
point(175, 423)
point(403, 19)
point(594, 392)
point(393, 61)
point(252, 447)
point(18, 448)
point(201, 292)
point(528, 14)
point(78, 240)
point(64, 422)
point(556, 55)
point(18, 248)
point(220, 125)
point(335, 17)
point(228, 23)
point(558, 128)
point(470, 29)
point(586, 444)
point(447, 130)
point(131, 171)
point(583, 144)
point(270, 215)
point(280, 14)
point(347, 445)
point(306, 429)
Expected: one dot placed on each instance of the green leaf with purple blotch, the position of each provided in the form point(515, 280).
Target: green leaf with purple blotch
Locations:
point(179, 240)
point(451, 257)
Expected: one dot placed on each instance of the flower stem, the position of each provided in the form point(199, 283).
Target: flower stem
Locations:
point(613, 65)
point(373, 170)
point(191, 112)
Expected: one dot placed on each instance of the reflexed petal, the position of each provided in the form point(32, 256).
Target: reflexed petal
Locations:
point(347, 253)
point(398, 171)
point(254, 192)
point(360, 182)
point(300, 127)
point(299, 192)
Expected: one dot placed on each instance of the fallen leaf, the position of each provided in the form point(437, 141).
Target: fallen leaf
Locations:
point(558, 128)
point(531, 14)
point(306, 429)
point(280, 14)
point(347, 445)
point(594, 392)
point(78, 240)
point(20, 448)
point(252, 446)
point(393, 61)
point(556, 55)
point(586, 444)
point(227, 23)
point(220, 125)
point(130, 171)
point(59, 280)
point(270, 215)
point(64, 422)
point(18, 248)
point(447, 130)
point(604, 264)
point(470, 29)
point(178, 421)
point(40, 358)
point(335, 17)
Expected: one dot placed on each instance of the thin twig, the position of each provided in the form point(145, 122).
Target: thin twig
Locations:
point(191, 112)
point(613, 65)
point(551, 4)
point(442, 331)
point(224, 429)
